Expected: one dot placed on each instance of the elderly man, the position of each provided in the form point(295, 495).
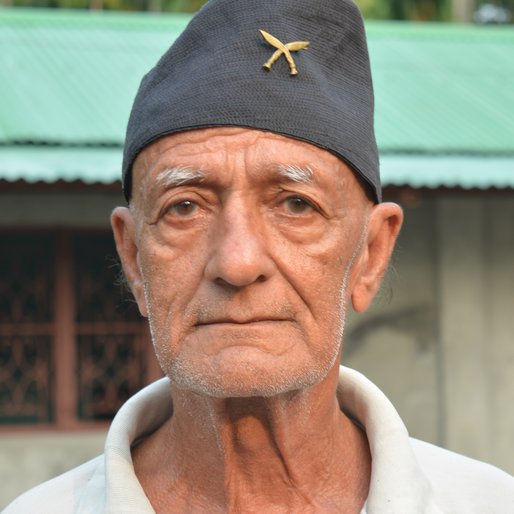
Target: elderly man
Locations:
point(254, 221)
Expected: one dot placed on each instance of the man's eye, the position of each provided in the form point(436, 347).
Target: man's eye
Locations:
point(297, 205)
point(183, 208)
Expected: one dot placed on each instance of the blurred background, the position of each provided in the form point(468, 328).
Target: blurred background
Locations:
point(73, 348)
point(495, 11)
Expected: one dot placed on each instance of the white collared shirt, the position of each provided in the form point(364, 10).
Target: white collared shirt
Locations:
point(407, 477)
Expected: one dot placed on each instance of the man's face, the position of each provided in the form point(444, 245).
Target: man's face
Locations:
point(245, 244)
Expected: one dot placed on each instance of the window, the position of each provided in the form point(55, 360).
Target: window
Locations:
point(73, 346)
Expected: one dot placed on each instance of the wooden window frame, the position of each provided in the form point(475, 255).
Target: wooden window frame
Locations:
point(65, 330)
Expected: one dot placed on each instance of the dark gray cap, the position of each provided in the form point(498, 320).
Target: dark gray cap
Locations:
point(213, 75)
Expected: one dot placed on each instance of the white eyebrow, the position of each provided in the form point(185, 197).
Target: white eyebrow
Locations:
point(178, 176)
point(302, 174)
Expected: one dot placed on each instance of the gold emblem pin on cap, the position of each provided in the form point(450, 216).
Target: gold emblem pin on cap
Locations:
point(283, 50)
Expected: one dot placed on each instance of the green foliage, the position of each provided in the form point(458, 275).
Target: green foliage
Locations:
point(422, 10)
point(182, 5)
point(115, 5)
point(378, 9)
point(398, 9)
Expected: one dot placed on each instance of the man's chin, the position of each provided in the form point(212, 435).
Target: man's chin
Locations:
point(245, 381)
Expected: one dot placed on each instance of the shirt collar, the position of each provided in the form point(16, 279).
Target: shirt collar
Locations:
point(397, 485)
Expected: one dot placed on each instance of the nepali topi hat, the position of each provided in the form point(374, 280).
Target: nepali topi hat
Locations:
point(299, 68)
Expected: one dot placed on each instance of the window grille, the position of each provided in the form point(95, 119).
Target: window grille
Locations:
point(73, 346)
point(26, 329)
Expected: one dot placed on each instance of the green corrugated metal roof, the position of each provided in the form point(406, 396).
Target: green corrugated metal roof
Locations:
point(444, 94)
point(50, 164)
point(467, 172)
point(444, 88)
point(70, 76)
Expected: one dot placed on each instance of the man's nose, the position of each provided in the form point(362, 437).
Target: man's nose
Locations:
point(240, 254)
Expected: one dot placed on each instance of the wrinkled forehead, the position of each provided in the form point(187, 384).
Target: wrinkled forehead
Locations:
point(212, 155)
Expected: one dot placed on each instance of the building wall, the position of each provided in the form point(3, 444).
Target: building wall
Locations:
point(438, 339)
point(30, 459)
point(62, 208)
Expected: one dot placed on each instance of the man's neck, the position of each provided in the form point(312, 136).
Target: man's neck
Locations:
point(290, 453)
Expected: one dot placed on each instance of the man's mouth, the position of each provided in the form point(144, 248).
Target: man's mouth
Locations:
point(241, 320)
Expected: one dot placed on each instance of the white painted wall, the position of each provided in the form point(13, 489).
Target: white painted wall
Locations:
point(57, 209)
point(442, 348)
point(29, 459)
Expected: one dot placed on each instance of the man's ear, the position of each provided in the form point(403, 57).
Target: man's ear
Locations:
point(123, 227)
point(383, 227)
